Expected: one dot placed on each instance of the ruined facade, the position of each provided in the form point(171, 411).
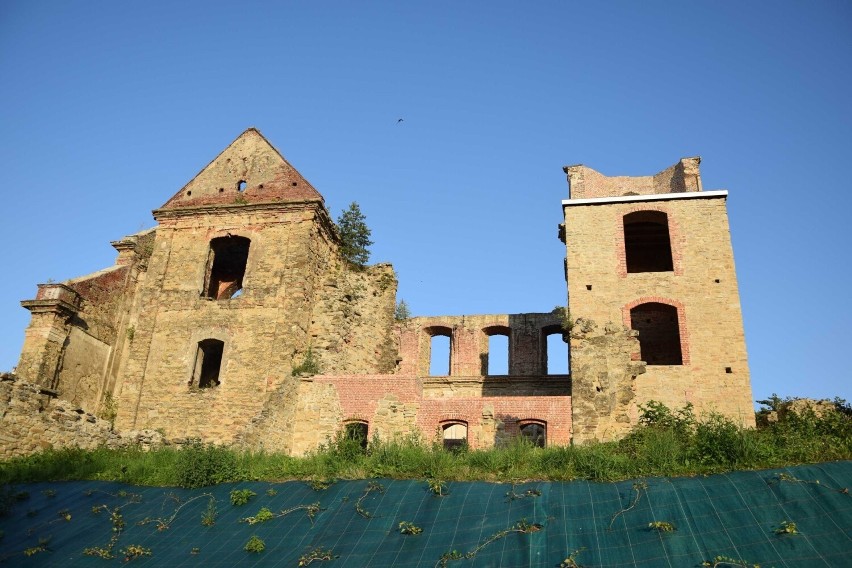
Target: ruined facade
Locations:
point(214, 323)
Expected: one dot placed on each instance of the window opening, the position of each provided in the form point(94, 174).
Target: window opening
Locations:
point(554, 352)
point(226, 267)
point(455, 435)
point(208, 363)
point(241, 185)
point(498, 355)
point(357, 431)
point(535, 432)
point(647, 246)
point(439, 357)
point(659, 333)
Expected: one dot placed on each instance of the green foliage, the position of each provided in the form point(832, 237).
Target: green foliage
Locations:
point(255, 545)
point(261, 517)
point(241, 496)
point(208, 517)
point(571, 560)
point(40, 547)
point(318, 554)
point(406, 527)
point(564, 315)
point(354, 236)
point(726, 561)
point(133, 551)
point(371, 487)
point(437, 487)
point(308, 367)
point(402, 312)
point(662, 526)
point(786, 527)
point(200, 465)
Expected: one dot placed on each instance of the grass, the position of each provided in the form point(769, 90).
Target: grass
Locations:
point(667, 443)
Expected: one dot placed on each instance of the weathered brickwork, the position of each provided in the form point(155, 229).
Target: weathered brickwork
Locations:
point(237, 321)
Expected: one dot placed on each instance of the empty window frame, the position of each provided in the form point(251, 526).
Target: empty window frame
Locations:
point(226, 267)
point(440, 350)
point(659, 333)
point(535, 432)
point(554, 351)
point(647, 246)
point(208, 363)
point(497, 361)
point(357, 431)
point(454, 435)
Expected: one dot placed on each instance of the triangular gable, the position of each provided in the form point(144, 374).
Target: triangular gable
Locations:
point(249, 170)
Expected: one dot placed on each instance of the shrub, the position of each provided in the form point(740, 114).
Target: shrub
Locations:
point(354, 235)
point(199, 465)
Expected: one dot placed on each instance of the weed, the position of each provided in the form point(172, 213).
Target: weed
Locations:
point(64, 514)
point(662, 526)
point(308, 367)
point(318, 554)
point(571, 560)
point(133, 551)
point(40, 547)
point(131, 333)
point(371, 487)
point(261, 517)
point(49, 493)
point(321, 484)
point(208, 517)
point(200, 465)
point(512, 495)
point(447, 556)
point(638, 487)
point(240, 200)
point(241, 496)
point(787, 477)
point(726, 561)
point(786, 527)
point(195, 550)
point(271, 492)
point(406, 527)
point(437, 487)
point(255, 545)
point(164, 523)
point(521, 526)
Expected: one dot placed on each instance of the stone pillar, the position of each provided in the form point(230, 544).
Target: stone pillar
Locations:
point(44, 340)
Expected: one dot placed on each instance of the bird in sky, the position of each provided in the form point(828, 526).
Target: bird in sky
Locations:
point(398, 121)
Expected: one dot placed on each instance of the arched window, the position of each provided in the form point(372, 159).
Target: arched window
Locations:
point(496, 361)
point(554, 351)
point(357, 430)
point(208, 363)
point(659, 333)
point(226, 267)
point(535, 431)
point(647, 246)
point(454, 435)
point(440, 350)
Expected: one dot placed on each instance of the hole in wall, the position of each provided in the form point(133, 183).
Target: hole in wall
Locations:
point(729, 370)
point(716, 281)
point(588, 286)
point(295, 183)
point(188, 193)
point(221, 190)
point(241, 185)
point(498, 355)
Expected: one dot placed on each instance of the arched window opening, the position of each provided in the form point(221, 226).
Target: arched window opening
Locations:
point(440, 349)
point(659, 333)
point(647, 246)
point(454, 435)
point(241, 185)
point(208, 363)
point(554, 352)
point(226, 267)
point(357, 432)
point(534, 432)
point(496, 361)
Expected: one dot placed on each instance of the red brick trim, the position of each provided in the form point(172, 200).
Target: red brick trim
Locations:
point(681, 321)
point(675, 237)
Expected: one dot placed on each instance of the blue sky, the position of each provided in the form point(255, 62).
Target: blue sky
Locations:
point(108, 108)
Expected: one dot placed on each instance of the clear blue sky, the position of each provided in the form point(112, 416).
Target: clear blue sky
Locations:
point(108, 108)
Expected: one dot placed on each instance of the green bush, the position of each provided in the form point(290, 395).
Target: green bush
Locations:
point(200, 465)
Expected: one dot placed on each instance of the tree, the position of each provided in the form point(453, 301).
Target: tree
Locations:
point(402, 312)
point(354, 235)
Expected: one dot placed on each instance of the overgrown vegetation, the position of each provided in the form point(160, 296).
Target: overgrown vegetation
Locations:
point(402, 311)
point(308, 367)
point(666, 443)
point(354, 236)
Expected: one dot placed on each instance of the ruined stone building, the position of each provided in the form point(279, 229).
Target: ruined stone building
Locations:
point(202, 326)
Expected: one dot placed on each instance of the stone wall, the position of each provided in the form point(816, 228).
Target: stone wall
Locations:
point(587, 183)
point(33, 420)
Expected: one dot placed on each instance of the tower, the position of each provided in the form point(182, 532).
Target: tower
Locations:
point(654, 254)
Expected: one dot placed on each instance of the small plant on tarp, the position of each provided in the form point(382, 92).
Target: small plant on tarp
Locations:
point(571, 560)
point(447, 556)
point(437, 487)
point(265, 514)
point(163, 523)
point(134, 551)
point(786, 527)
point(271, 492)
point(522, 527)
point(721, 561)
point(371, 487)
point(208, 517)
point(318, 554)
point(321, 484)
point(42, 546)
point(117, 521)
point(662, 526)
point(638, 487)
point(406, 527)
point(241, 496)
point(255, 545)
point(791, 479)
point(512, 495)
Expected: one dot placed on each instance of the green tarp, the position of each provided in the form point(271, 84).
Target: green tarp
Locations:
point(735, 515)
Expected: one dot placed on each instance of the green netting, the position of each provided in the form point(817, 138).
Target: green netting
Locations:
point(733, 515)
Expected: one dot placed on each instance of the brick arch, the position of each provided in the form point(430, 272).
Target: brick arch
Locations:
point(435, 330)
point(681, 320)
point(675, 237)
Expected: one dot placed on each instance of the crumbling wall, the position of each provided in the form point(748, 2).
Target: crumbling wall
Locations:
point(603, 404)
point(587, 183)
point(33, 420)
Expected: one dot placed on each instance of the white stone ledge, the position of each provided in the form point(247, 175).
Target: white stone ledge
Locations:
point(654, 197)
